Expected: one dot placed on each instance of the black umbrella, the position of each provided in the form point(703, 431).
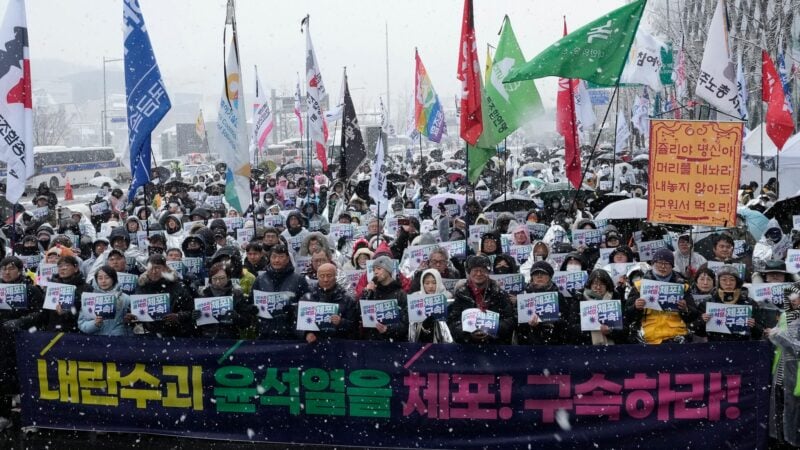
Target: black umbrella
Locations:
point(291, 167)
point(219, 185)
point(362, 189)
point(257, 174)
point(162, 173)
point(604, 200)
point(426, 177)
point(511, 203)
point(181, 186)
point(397, 177)
point(783, 210)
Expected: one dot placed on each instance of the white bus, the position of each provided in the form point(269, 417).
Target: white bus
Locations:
point(55, 165)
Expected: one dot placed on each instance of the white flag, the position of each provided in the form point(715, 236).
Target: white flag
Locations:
point(384, 119)
point(315, 93)
point(584, 112)
point(233, 137)
point(623, 134)
point(377, 185)
point(263, 120)
point(16, 115)
point(741, 87)
point(644, 61)
point(716, 83)
point(640, 115)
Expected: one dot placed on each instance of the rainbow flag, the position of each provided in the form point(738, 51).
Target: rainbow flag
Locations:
point(427, 108)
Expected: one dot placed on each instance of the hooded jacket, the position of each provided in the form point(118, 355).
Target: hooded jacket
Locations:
point(441, 332)
point(175, 237)
point(50, 320)
point(295, 237)
point(319, 238)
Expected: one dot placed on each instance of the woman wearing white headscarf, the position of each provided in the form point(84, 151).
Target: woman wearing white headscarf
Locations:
point(431, 330)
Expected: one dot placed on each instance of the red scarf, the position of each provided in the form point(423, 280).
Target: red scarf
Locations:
point(477, 294)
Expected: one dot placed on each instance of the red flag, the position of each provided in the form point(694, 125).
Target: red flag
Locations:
point(469, 74)
point(780, 125)
point(566, 126)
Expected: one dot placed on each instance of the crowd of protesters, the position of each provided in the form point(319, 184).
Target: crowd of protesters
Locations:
point(289, 246)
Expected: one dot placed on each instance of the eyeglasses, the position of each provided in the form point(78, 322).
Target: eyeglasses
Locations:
point(438, 261)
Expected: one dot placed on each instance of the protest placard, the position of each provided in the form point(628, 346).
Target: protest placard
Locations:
point(421, 306)
point(728, 319)
point(694, 172)
point(595, 313)
point(269, 302)
point(543, 304)
point(473, 319)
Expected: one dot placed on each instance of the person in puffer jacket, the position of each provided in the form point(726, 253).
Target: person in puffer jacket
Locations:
point(106, 282)
point(158, 278)
point(294, 233)
point(281, 277)
point(243, 313)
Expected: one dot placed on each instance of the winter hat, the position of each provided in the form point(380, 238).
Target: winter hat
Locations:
point(476, 261)
point(385, 263)
point(663, 254)
point(542, 266)
point(728, 269)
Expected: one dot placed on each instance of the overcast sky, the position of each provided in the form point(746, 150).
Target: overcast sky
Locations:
point(187, 39)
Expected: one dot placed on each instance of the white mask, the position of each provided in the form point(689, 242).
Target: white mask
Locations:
point(573, 267)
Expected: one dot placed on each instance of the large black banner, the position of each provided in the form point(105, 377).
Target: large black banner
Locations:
point(400, 395)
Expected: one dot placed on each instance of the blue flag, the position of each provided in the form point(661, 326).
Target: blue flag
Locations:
point(146, 98)
point(786, 81)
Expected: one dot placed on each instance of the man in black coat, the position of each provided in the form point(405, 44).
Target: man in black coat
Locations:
point(281, 277)
point(328, 291)
point(481, 292)
point(159, 278)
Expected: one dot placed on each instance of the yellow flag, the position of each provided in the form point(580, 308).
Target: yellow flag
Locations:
point(200, 126)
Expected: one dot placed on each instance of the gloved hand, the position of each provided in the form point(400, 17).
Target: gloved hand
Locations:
point(429, 323)
point(226, 319)
point(196, 314)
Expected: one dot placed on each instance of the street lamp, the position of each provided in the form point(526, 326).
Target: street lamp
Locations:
point(104, 115)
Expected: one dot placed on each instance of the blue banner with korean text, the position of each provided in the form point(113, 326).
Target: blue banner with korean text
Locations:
point(400, 395)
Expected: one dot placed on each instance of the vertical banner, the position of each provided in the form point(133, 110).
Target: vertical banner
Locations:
point(694, 172)
point(372, 394)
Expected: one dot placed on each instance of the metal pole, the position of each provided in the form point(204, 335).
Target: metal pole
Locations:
point(105, 107)
point(614, 160)
point(388, 92)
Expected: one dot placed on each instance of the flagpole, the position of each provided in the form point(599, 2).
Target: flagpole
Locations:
point(614, 158)
point(596, 141)
point(255, 139)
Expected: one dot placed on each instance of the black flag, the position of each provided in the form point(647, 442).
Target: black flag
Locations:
point(353, 151)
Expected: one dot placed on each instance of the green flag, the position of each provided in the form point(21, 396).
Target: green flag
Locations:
point(595, 52)
point(506, 107)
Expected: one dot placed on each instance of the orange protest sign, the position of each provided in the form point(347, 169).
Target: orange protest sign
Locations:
point(694, 172)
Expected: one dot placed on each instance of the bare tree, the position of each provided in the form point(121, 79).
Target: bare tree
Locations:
point(50, 125)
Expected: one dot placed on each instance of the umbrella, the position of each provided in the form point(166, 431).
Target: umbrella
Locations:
point(454, 163)
point(291, 167)
point(437, 166)
point(605, 157)
point(217, 184)
point(397, 177)
point(532, 167)
point(440, 198)
point(756, 222)
point(100, 181)
point(177, 184)
point(783, 210)
point(631, 208)
point(536, 183)
point(455, 175)
point(644, 157)
point(605, 200)
point(362, 189)
point(431, 174)
point(561, 189)
point(511, 203)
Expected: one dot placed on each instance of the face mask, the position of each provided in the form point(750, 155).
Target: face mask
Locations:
point(573, 267)
point(502, 270)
